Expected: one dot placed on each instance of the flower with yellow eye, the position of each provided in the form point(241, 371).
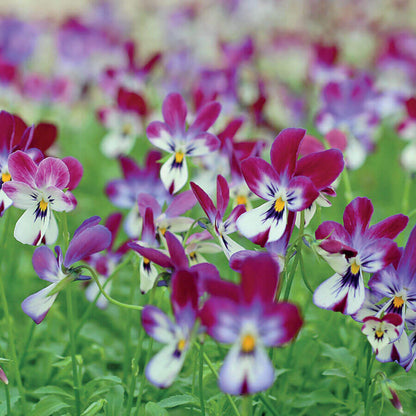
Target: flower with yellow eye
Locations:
point(172, 136)
point(167, 363)
point(247, 316)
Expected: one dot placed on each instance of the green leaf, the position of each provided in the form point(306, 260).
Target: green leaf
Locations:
point(49, 405)
point(406, 382)
point(337, 372)
point(340, 355)
point(153, 409)
point(94, 408)
point(321, 396)
point(115, 398)
point(178, 400)
point(54, 390)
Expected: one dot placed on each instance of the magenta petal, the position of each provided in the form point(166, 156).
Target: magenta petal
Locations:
point(204, 272)
point(89, 222)
point(157, 324)
point(87, 242)
point(52, 172)
point(176, 251)
point(333, 231)
point(113, 223)
point(7, 125)
point(22, 168)
point(280, 324)
point(357, 215)
point(205, 201)
point(148, 201)
point(129, 167)
point(285, 149)
point(46, 265)
point(259, 278)
point(155, 256)
point(261, 178)
point(205, 118)
point(75, 171)
point(407, 264)
point(321, 167)
point(174, 112)
point(223, 195)
point(149, 230)
point(180, 204)
point(391, 227)
point(184, 297)
point(300, 193)
point(378, 254)
point(223, 289)
point(202, 144)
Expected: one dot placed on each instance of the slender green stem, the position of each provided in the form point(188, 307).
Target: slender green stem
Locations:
point(267, 404)
point(406, 193)
point(109, 298)
point(367, 397)
point(28, 341)
point(247, 406)
point(188, 233)
point(214, 371)
point(8, 406)
point(305, 280)
point(347, 184)
point(201, 379)
point(75, 377)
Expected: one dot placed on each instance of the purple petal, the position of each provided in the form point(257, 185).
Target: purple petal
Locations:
point(174, 112)
point(161, 136)
point(37, 305)
point(113, 223)
point(157, 324)
point(331, 230)
point(46, 265)
point(357, 215)
point(52, 172)
point(176, 251)
point(202, 144)
point(148, 201)
point(20, 193)
point(149, 230)
point(391, 227)
point(22, 168)
point(87, 242)
point(223, 195)
point(184, 298)
point(153, 255)
point(205, 201)
point(284, 151)
point(321, 167)
point(89, 222)
point(180, 204)
point(300, 193)
point(378, 254)
point(75, 171)
point(205, 118)
point(261, 178)
point(407, 264)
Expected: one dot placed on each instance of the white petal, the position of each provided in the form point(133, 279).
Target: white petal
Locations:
point(29, 229)
point(115, 144)
point(229, 246)
point(165, 366)
point(172, 173)
point(133, 222)
point(38, 304)
point(52, 232)
point(148, 275)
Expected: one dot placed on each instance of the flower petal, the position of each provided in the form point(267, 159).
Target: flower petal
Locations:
point(75, 171)
point(357, 215)
point(300, 193)
point(52, 172)
point(202, 144)
point(46, 265)
point(161, 136)
point(205, 118)
point(180, 204)
point(157, 325)
point(205, 201)
point(22, 168)
point(21, 194)
point(31, 229)
point(37, 305)
point(174, 112)
point(174, 175)
point(378, 254)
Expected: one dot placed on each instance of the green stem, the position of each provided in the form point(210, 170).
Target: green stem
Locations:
point(72, 340)
point(267, 404)
point(109, 298)
point(247, 406)
point(302, 269)
point(29, 339)
point(367, 397)
point(347, 184)
point(8, 407)
point(201, 378)
point(214, 371)
point(406, 193)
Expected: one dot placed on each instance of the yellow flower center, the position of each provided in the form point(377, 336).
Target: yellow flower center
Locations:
point(379, 333)
point(241, 200)
point(279, 204)
point(192, 255)
point(146, 261)
point(6, 177)
point(181, 345)
point(179, 157)
point(162, 230)
point(248, 343)
point(127, 129)
point(398, 302)
point(43, 205)
point(355, 268)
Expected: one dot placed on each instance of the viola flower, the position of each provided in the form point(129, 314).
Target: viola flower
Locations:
point(105, 263)
point(353, 249)
point(177, 261)
point(40, 190)
point(283, 190)
point(196, 245)
point(15, 136)
point(89, 238)
point(215, 215)
point(407, 130)
point(382, 331)
point(124, 121)
point(123, 193)
point(246, 316)
point(172, 136)
point(163, 368)
point(348, 105)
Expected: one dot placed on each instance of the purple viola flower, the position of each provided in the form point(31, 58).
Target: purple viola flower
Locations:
point(172, 136)
point(196, 245)
point(353, 249)
point(283, 190)
point(348, 106)
point(40, 190)
point(216, 215)
point(177, 260)
point(89, 238)
point(246, 316)
point(123, 193)
point(163, 368)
